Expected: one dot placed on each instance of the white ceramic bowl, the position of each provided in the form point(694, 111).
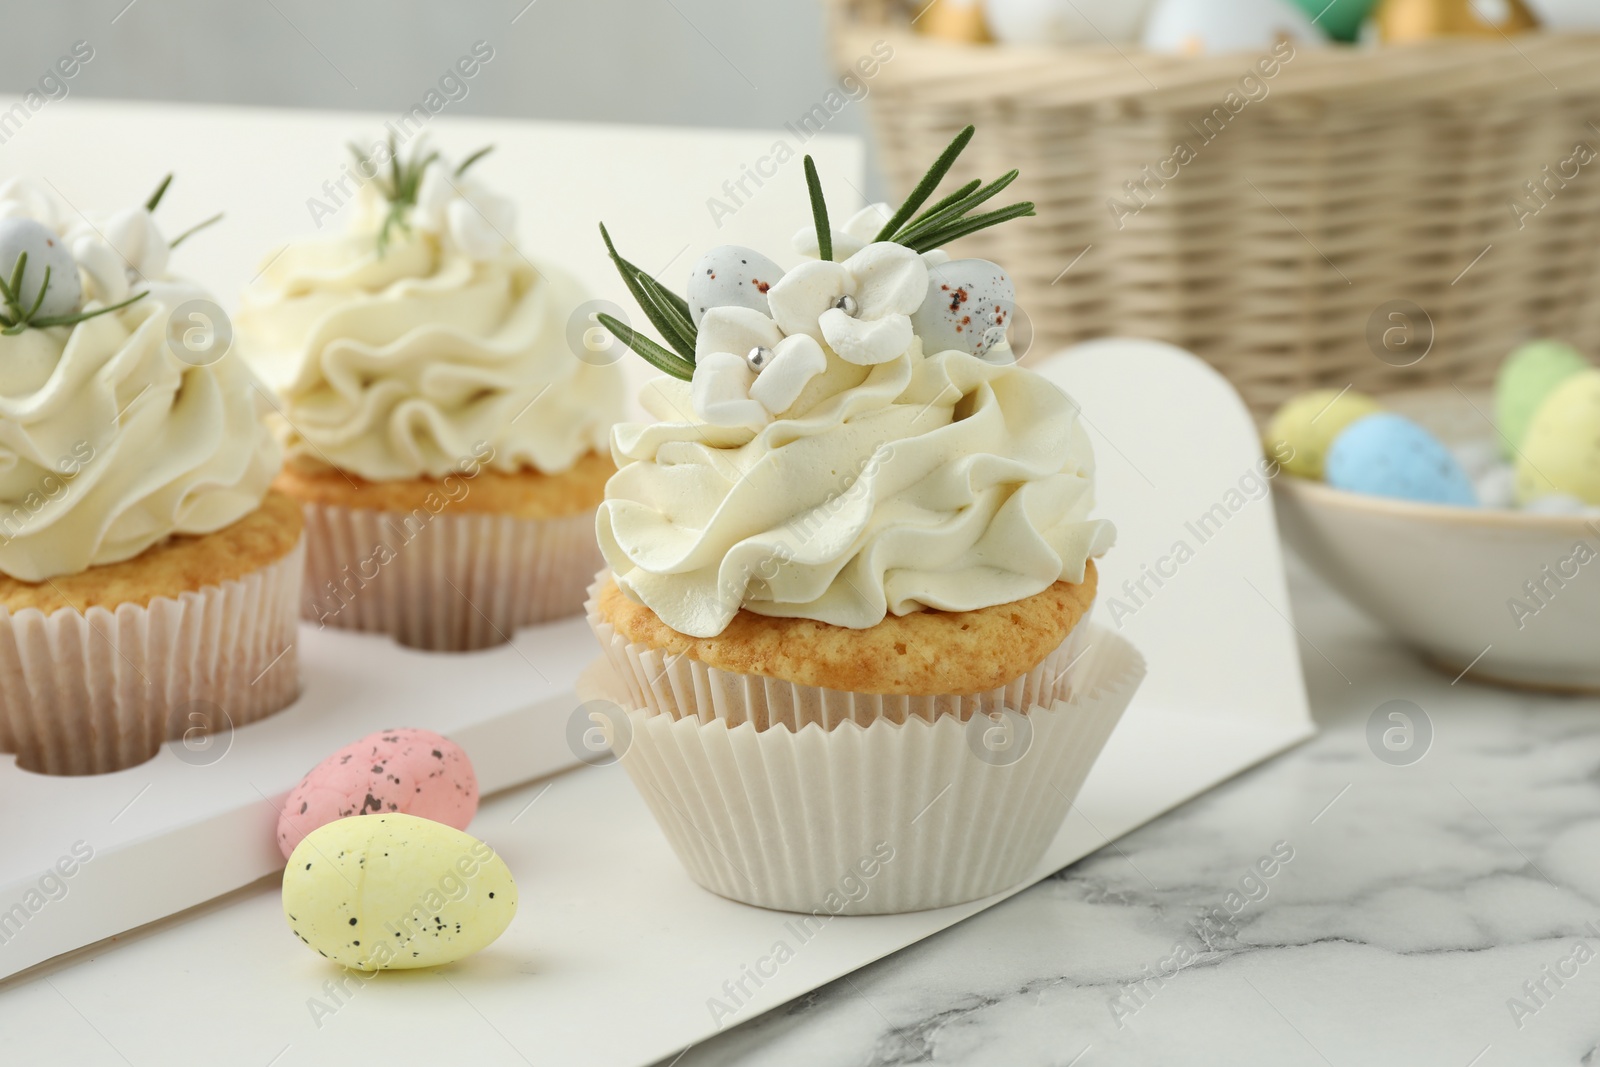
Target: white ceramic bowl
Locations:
point(1447, 580)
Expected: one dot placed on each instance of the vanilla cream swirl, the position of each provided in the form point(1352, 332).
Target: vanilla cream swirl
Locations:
point(939, 482)
point(397, 365)
point(110, 444)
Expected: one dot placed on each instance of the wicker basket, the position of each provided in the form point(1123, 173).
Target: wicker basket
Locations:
point(1360, 179)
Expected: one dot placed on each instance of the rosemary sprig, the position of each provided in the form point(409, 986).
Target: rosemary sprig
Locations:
point(819, 212)
point(950, 217)
point(401, 190)
point(155, 197)
point(192, 230)
point(960, 194)
point(402, 183)
point(154, 201)
point(20, 318)
point(470, 160)
point(394, 168)
point(16, 287)
point(935, 217)
point(930, 181)
point(946, 220)
point(970, 224)
point(654, 354)
point(83, 316)
point(667, 311)
point(676, 327)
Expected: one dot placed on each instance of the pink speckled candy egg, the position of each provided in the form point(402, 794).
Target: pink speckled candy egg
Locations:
point(415, 772)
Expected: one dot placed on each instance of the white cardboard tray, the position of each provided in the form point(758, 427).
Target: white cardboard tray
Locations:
point(615, 956)
point(168, 834)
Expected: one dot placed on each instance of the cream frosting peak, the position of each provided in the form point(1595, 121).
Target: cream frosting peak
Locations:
point(397, 364)
point(109, 443)
point(939, 481)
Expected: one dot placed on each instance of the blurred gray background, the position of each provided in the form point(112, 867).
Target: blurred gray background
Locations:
point(756, 64)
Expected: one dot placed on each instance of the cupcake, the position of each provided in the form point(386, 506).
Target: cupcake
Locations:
point(447, 442)
point(149, 578)
point(849, 572)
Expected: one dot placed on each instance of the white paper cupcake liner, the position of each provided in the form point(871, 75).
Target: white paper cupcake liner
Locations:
point(445, 582)
point(100, 691)
point(894, 816)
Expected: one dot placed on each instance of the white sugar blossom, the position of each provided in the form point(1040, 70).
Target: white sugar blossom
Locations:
point(119, 252)
point(113, 250)
point(727, 390)
point(24, 199)
point(464, 212)
point(862, 307)
point(858, 233)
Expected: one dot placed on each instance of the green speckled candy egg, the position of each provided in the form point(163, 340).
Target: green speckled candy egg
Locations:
point(1303, 429)
point(1561, 454)
point(1527, 377)
point(387, 892)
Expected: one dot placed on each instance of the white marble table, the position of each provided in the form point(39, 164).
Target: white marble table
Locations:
point(1425, 905)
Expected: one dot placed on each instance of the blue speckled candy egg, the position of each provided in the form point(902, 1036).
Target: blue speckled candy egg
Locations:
point(968, 307)
point(1387, 455)
point(731, 276)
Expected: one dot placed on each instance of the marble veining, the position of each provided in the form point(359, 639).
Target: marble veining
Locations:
point(1441, 911)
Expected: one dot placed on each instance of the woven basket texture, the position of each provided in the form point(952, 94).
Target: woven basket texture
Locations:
point(1460, 176)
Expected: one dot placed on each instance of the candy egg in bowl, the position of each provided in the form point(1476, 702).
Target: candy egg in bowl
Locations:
point(1495, 593)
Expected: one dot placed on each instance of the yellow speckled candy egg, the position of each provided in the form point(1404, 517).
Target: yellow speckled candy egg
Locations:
point(386, 892)
point(1302, 431)
point(1561, 453)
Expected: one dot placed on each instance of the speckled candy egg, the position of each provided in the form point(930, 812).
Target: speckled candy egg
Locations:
point(1299, 434)
point(968, 307)
point(394, 892)
point(1387, 455)
point(730, 276)
point(1527, 377)
point(1561, 453)
point(1068, 22)
point(416, 772)
point(1195, 27)
point(45, 249)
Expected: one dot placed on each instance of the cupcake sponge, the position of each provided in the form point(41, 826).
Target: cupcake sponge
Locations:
point(924, 653)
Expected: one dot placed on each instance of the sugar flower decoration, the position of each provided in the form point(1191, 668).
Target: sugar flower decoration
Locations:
point(119, 252)
point(422, 191)
point(746, 371)
point(748, 357)
point(861, 231)
point(50, 269)
point(464, 213)
point(24, 199)
point(861, 307)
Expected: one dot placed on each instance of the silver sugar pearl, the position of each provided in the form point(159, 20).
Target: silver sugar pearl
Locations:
point(758, 357)
point(847, 304)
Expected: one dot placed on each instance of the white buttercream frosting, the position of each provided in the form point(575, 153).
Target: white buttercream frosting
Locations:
point(940, 481)
point(398, 364)
point(109, 443)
